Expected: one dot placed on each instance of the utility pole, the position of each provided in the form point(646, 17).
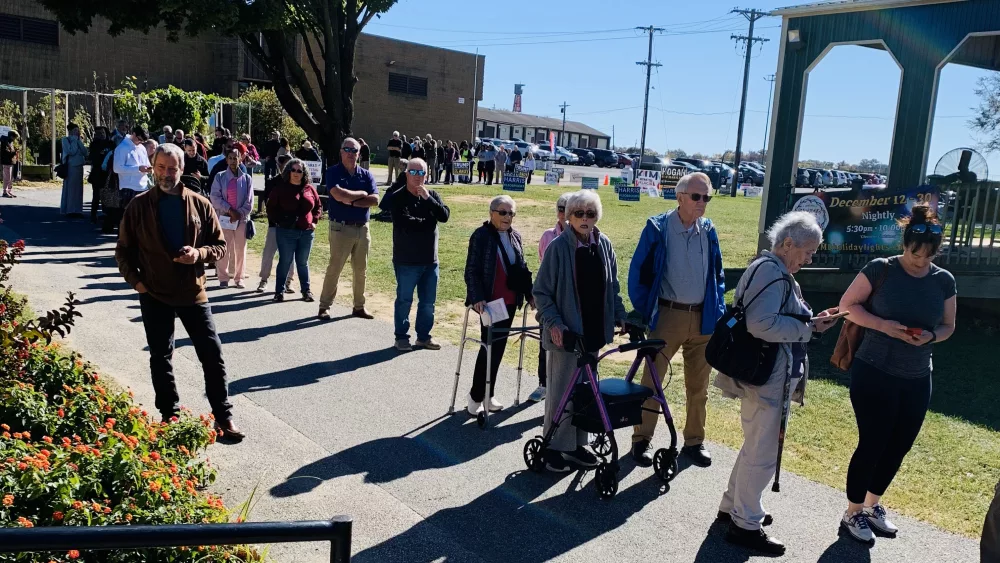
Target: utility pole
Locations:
point(562, 135)
point(749, 40)
point(649, 64)
point(767, 120)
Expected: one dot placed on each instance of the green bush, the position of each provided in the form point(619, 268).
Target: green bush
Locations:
point(266, 115)
point(76, 453)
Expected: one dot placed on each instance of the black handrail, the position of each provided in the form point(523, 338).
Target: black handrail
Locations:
point(337, 531)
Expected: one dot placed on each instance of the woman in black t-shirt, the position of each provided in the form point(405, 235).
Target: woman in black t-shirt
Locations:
point(912, 306)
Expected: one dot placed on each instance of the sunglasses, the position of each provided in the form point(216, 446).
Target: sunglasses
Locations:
point(579, 214)
point(417, 172)
point(349, 150)
point(504, 213)
point(924, 228)
point(699, 197)
point(296, 171)
point(561, 209)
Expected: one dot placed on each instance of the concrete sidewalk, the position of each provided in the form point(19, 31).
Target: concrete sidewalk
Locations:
point(341, 423)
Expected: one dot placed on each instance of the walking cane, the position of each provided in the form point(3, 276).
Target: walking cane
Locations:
point(785, 403)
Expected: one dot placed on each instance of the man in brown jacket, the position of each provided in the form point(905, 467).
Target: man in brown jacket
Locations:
point(167, 235)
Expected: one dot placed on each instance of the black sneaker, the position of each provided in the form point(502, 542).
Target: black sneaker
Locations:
point(727, 518)
point(582, 457)
point(642, 452)
point(279, 297)
point(698, 454)
point(754, 539)
point(307, 296)
point(555, 463)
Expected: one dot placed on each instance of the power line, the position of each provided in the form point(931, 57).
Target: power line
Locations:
point(748, 39)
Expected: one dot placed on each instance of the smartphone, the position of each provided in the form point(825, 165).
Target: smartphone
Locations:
point(914, 332)
point(833, 316)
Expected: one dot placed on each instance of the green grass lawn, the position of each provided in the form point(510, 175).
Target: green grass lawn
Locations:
point(947, 479)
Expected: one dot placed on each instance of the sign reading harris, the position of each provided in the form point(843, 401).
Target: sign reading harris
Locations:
point(513, 182)
point(630, 193)
point(866, 223)
point(590, 183)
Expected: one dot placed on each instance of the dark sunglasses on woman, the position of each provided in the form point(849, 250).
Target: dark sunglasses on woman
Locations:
point(579, 214)
point(349, 150)
point(699, 197)
point(295, 171)
point(417, 172)
point(924, 228)
point(504, 213)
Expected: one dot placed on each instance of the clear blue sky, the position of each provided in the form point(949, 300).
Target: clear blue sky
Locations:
point(584, 53)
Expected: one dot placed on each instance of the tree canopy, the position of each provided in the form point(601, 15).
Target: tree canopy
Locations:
point(317, 94)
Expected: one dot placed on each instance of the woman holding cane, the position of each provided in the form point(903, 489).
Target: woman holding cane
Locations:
point(773, 312)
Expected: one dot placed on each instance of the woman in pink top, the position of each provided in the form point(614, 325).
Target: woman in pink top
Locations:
point(232, 198)
point(547, 237)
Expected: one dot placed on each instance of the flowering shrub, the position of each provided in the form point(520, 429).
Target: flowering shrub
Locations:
point(74, 452)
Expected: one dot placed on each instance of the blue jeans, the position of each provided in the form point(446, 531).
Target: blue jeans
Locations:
point(293, 244)
point(424, 279)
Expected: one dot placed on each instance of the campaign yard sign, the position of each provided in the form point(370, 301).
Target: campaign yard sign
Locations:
point(630, 193)
point(865, 223)
point(315, 168)
point(617, 182)
point(543, 165)
point(589, 183)
point(521, 171)
point(552, 178)
point(648, 178)
point(669, 192)
point(462, 168)
point(560, 171)
point(752, 191)
point(513, 182)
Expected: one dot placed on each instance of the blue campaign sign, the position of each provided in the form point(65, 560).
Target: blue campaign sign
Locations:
point(629, 193)
point(669, 193)
point(590, 183)
point(514, 182)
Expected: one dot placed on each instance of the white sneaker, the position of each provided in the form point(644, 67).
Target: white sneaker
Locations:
point(537, 395)
point(857, 525)
point(474, 407)
point(877, 519)
point(495, 406)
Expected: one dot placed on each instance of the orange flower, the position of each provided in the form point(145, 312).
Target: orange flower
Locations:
point(46, 439)
point(165, 495)
point(96, 507)
point(4, 426)
point(155, 486)
point(154, 456)
point(61, 413)
point(73, 554)
point(8, 500)
point(77, 505)
point(57, 516)
point(128, 517)
point(25, 522)
point(22, 466)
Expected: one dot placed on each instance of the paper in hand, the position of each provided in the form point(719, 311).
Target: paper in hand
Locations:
point(226, 223)
point(494, 312)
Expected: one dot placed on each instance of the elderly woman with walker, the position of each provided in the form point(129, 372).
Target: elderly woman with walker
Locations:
point(774, 312)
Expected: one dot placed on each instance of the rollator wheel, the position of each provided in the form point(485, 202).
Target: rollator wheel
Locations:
point(533, 455)
point(603, 444)
point(606, 481)
point(481, 420)
point(665, 464)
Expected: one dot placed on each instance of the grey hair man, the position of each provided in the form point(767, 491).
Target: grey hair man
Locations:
point(168, 134)
point(395, 148)
point(676, 282)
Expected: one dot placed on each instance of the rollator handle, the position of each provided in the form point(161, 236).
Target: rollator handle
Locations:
point(654, 343)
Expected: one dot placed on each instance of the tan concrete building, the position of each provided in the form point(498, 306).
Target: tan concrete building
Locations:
point(416, 89)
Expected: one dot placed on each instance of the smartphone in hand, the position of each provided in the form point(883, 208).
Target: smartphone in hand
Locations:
point(914, 332)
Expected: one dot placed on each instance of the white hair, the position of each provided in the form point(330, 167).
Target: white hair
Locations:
point(561, 202)
point(395, 133)
point(682, 184)
point(800, 226)
point(170, 149)
point(581, 201)
point(501, 199)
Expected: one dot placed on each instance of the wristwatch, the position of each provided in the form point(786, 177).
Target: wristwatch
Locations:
point(933, 337)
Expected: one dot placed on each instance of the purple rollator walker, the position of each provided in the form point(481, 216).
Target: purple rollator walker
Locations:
point(601, 406)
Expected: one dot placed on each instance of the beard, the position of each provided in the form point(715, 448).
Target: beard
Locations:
point(165, 183)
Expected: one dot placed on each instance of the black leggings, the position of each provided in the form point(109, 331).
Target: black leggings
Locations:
point(541, 366)
point(889, 411)
point(478, 391)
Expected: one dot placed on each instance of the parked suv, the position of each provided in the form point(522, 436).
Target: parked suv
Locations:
point(587, 158)
point(605, 158)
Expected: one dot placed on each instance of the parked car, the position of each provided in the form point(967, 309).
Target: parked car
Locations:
point(525, 148)
point(587, 158)
point(685, 165)
point(563, 156)
point(751, 174)
point(542, 154)
point(726, 173)
point(756, 165)
point(605, 158)
point(802, 178)
point(698, 163)
point(654, 163)
point(624, 160)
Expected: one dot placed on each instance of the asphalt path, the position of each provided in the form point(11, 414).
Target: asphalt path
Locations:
point(341, 423)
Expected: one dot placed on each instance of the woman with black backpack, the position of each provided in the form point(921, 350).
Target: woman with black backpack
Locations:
point(775, 313)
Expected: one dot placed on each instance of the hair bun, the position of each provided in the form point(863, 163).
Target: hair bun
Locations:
point(922, 214)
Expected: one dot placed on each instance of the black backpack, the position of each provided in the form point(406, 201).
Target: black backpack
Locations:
point(734, 351)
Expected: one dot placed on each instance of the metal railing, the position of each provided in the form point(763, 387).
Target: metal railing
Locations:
point(970, 214)
point(337, 531)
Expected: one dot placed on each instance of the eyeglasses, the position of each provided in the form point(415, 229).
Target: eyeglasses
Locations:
point(417, 172)
point(579, 214)
point(923, 228)
point(699, 197)
point(349, 150)
point(504, 213)
point(295, 170)
point(561, 209)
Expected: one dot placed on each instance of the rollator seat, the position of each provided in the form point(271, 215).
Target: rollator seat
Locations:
point(622, 399)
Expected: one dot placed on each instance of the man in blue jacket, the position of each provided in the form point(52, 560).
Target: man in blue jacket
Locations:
point(676, 282)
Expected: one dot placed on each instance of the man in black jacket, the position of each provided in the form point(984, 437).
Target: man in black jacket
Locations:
point(416, 212)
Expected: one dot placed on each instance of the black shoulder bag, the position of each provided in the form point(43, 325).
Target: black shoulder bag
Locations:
point(734, 351)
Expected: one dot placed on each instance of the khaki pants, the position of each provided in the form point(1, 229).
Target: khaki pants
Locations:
point(990, 547)
point(679, 329)
point(346, 241)
point(231, 265)
point(394, 169)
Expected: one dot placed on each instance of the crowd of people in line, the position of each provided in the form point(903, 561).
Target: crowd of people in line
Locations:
point(491, 161)
point(171, 230)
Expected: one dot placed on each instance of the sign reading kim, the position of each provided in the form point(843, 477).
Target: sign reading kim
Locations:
point(865, 223)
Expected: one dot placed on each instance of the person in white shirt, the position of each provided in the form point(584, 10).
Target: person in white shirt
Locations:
point(131, 164)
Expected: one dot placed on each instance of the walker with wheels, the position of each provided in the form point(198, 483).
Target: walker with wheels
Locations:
point(602, 406)
point(493, 335)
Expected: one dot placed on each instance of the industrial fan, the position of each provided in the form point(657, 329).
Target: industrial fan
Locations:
point(959, 166)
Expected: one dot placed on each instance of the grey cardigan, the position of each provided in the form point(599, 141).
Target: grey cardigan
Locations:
point(555, 288)
point(765, 322)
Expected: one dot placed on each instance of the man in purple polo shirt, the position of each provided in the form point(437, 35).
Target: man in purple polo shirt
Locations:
point(352, 192)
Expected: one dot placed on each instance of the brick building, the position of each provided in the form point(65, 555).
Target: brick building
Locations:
point(416, 89)
point(504, 124)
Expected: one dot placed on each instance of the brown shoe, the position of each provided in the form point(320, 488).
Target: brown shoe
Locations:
point(324, 314)
point(229, 432)
point(361, 314)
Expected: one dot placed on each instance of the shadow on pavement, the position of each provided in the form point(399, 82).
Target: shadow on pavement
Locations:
point(300, 375)
point(846, 550)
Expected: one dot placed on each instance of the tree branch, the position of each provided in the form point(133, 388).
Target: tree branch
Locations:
point(277, 46)
point(320, 80)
